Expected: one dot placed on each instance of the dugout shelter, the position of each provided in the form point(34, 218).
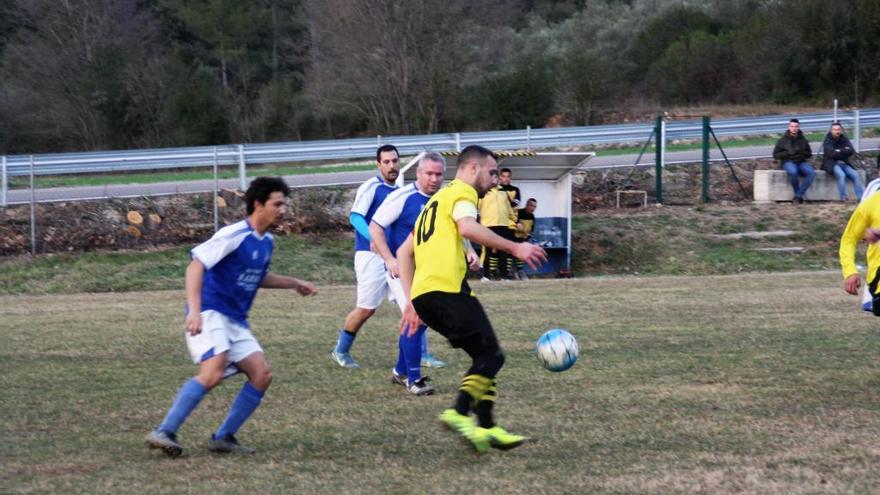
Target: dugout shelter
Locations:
point(545, 176)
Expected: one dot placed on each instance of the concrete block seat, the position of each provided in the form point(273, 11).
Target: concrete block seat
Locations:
point(773, 185)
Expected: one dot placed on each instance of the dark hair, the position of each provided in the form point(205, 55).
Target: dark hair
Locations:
point(505, 169)
point(384, 148)
point(263, 187)
point(531, 199)
point(474, 152)
point(836, 123)
point(796, 121)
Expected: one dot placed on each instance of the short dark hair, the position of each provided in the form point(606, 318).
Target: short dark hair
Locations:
point(384, 148)
point(263, 187)
point(532, 199)
point(474, 152)
point(505, 169)
point(796, 121)
point(836, 123)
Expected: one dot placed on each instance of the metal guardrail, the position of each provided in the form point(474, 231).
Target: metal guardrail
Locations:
point(247, 154)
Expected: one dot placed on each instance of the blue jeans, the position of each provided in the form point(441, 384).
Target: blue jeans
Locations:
point(842, 170)
point(794, 170)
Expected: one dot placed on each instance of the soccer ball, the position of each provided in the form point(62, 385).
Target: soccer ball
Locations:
point(557, 350)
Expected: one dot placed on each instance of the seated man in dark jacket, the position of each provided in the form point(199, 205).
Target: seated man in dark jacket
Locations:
point(837, 149)
point(793, 150)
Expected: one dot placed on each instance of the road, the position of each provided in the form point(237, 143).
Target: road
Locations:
point(58, 194)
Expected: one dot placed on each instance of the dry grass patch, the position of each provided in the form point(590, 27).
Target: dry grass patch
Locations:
point(754, 383)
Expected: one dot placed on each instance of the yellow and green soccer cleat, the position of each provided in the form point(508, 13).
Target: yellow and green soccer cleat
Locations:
point(499, 438)
point(467, 428)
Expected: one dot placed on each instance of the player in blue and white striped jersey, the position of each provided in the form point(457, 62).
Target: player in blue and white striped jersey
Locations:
point(221, 282)
point(369, 268)
point(392, 224)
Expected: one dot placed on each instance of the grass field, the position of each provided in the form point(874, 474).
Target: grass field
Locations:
point(760, 383)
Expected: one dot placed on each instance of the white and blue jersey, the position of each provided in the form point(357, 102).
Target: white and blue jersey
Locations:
point(398, 214)
point(369, 196)
point(236, 260)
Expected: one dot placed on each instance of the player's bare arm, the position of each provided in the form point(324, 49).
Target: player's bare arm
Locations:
point(473, 259)
point(407, 263)
point(530, 253)
point(275, 281)
point(377, 233)
point(195, 273)
point(852, 283)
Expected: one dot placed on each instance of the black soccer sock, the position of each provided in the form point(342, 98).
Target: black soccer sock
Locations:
point(484, 407)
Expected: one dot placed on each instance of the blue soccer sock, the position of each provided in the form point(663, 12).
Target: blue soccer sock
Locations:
point(412, 351)
point(346, 339)
point(243, 406)
point(188, 397)
point(400, 367)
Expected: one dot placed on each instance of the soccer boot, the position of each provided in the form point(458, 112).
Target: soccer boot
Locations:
point(227, 444)
point(420, 387)
point(478, 438)
point(397, 378)
point(499, 438)
point(429, 360)
point(344, 359)
point(164, 441)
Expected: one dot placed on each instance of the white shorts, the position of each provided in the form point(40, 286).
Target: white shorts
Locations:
point(395, 292)
point(369, 268)
point(220, 334)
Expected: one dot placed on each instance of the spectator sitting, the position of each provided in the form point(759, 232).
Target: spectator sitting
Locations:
point(837, 150)
point(524, 226)
point(793, 150)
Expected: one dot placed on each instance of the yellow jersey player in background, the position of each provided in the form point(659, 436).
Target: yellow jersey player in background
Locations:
point(433, 274)
point(863, 224)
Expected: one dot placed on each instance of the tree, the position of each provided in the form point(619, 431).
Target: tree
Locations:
point(61, 77)
point(393, 63)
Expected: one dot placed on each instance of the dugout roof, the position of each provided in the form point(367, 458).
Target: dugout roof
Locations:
point(524, 165)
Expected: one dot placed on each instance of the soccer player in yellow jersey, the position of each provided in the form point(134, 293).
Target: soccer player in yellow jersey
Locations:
point(863, 224)
point(498, 215)
point(433, 274)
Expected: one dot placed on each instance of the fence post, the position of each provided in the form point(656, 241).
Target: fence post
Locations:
point(216, 192)
point(660, 132)
point(457, 141)
point(835, 110)
point(33, 212)
point(705, 158)
point(857, 132)
point(4, 188)
point(242, 174)
point(378, 140)
point(528, 138)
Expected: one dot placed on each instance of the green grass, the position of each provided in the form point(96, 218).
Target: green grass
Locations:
point(673, 240)
point(325, 259)
point(684, 240)
point(181, 175)
point(761, 383)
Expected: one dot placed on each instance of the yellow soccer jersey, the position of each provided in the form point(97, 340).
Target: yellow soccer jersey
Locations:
point(495, 209)
point(866, 215)
point(527, 220)
point(440, 258)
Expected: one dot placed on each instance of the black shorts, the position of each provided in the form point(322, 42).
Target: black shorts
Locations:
point(458, 317)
